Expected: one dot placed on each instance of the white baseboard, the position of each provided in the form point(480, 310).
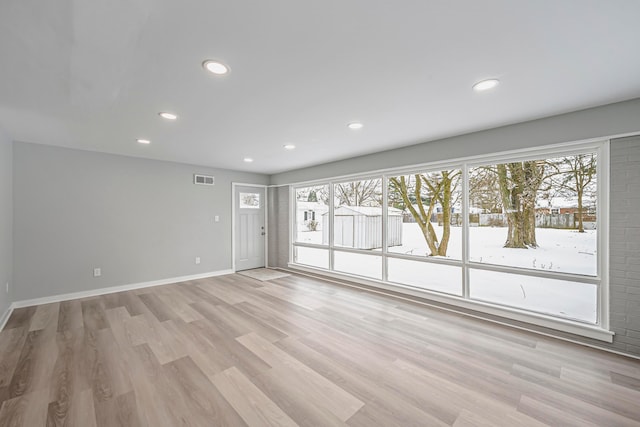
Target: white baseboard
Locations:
point(105, 291)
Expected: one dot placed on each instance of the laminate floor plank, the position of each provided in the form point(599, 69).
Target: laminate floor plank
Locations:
point(198, 293)
point(11, 343)
point(255, 408)
point(229, 352)
point(224, 292)
point(181, 308)
point(119, 411)
point(161, 401)
point(20, 317)
point(44, 316)
point(28, 410)
point(35, 364)
point(288, 393)
point(82, 412)
point(93, 314)
point(166, 347)
point(201, 396)
point(70, 316)
point(295, 351)
point(158, 307)
point(382, 404)
point(626, 381)
point(276, 322)
point(321, 391)
point(64, 380)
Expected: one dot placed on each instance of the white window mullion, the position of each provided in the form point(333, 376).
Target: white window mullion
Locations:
point(385, 224)
point(465, 231)
point(331, 224)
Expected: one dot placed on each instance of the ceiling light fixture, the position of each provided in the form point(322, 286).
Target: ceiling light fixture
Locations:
point(143, 141)
point(168, 116)
point(248, 159)
point(215, 67)
point(485, 85)
point(289, 147)
point(355, 125)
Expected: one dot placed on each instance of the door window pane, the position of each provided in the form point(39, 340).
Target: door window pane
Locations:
point(312, 205)
point(249, 200)
point(425, 214)
point(425, 275)
point(549, 296)
point(538, 214)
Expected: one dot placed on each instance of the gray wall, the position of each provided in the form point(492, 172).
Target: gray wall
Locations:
point(278, 226)
point(138, 220)
point(613, 119)
point(6, 220)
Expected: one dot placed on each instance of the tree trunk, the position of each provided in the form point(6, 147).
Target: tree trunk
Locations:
point(445, 201)
point(519, 183)
point(511, 202)
point(580, 223)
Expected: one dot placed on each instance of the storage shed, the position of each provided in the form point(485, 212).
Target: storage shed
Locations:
point(360, 227)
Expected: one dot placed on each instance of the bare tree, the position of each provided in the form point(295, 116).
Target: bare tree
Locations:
point(484, 192)
point(419, 190)
point(575, 175)
point(367, 192)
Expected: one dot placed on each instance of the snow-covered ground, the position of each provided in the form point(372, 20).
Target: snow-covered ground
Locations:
point(559, 250)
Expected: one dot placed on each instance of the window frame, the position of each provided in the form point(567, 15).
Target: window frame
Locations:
point(598, 330)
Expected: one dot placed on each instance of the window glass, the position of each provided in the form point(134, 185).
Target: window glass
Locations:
point(425, 214)
point(425, 275)
point(358, 264)
point(312, 220)
point(314, 257)
point(538, 214)
point(562, 298)
point(357, 220)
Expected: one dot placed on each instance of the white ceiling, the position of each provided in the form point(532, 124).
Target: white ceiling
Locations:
point(93, 74)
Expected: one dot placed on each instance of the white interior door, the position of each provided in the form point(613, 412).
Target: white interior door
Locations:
point(250, 229)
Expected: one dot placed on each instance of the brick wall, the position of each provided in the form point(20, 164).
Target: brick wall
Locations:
point(624, 267)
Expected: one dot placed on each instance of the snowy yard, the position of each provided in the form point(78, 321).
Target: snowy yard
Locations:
point(559, 250)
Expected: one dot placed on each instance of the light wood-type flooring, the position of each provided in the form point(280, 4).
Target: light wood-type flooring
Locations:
point(234, 351)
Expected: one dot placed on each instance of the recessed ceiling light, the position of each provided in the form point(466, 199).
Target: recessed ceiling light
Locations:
point(143, 141)
point(485, 85)
point(168, 116)
point(289, 147)
point(355, 125)
point(215, 67)
point(248, 159)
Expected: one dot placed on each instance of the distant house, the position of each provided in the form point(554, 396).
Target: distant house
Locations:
point(308, 212)
point(361, 227)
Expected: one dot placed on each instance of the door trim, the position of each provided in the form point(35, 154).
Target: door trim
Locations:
point(233, 221)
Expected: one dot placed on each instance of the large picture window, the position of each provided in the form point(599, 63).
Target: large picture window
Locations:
point(519, 232)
